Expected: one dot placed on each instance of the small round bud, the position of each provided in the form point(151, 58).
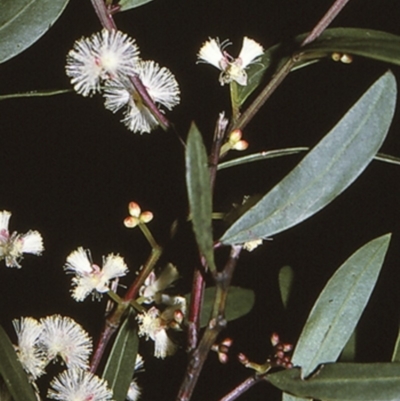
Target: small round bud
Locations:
point(134, 209)
point(336, 56)
point(131, 222)
point(227, 342)
point(346, 59)
point(287, 347)
point(243, 359)
point(241, 145)
point(274, 339)
point(235, 136)
point(223, 358)
point(178, 316)
point(146, 217)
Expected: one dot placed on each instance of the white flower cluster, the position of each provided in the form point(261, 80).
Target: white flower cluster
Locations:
point(89, 277)
point(53, 337)
point(106, 62)
point(56, 337)
point(213, 52)
point(168, 314)
point(13, 246)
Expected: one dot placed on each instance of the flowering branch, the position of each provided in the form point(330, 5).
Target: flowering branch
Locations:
point(113, 321)
point(284, 71)
point(216, 324)
point(105, 16)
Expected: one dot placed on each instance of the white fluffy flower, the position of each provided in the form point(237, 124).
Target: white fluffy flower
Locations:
point(90, 278)
point(29, 353)
point(151, 326)
point(79, 385)
point(133, 391)
point(161, 86)
point(13, 246)
point(232, 69)
point(63, 337)
point(104, 55)
point(153, 285)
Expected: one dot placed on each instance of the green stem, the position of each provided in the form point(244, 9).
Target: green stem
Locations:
point(149, 236)
point(35, 94)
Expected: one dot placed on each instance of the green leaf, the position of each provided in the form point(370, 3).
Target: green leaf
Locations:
point(240, 301)
point(12, 372)
point(326, 171)
point(120, 365)
point(377, 45)
point(128, 4)
point(285, 283)
point(269, 154)
point(23, 22)
point(199, 193)
point(343, 381)
point(349, 350)
point(338, 308)
point(289, 397)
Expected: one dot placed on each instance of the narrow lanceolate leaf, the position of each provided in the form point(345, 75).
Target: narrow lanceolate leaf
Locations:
point(240, 301)
point(396, 350)
point(271, 154)
point(268, 154)
point(23, 22)
point(326, 171)
point(120, 365)
point(128, 4)
point(343, 381)
point(338, 308)
point(12, 372)
point(199, 193)
point(376, 45)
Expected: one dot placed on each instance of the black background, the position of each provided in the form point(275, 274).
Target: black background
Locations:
point(69, 168)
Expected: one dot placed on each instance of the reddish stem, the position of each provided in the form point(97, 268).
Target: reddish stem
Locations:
point(216, 324)
point(103, 14)
point(276, 80)
point(196, 302)
point(242, 388)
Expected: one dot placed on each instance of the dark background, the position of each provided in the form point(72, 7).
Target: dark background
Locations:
point(69, 168)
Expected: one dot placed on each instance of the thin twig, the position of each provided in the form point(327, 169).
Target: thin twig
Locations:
point(242, 388)
point(107, 21)
point(325, 21)
point(114, 320)
point(216, 324)
point(284, 71)
point(196, 302)
point(219, 135)
point(103, 14)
